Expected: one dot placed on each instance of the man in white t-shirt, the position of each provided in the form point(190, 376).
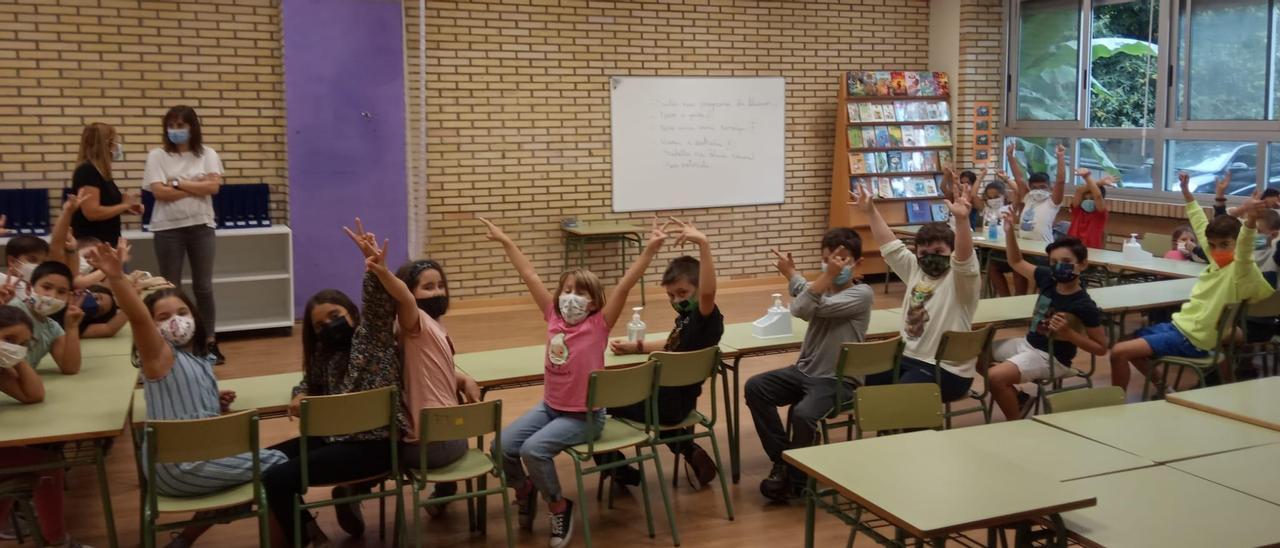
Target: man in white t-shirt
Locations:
point(1040, 203)
point(943, 286)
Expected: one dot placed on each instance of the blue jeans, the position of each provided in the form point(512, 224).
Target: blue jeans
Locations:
point(536, 438)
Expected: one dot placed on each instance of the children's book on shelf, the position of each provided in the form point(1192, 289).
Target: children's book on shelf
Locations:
point(909, 136)
point(898, 187)
point(928, 85)
point(855, 137)
point(929, 186)
point(869, 161)
point(884, 188)
point(916, 163)
point(918, 212)
point(931, 112)
point(945, 133)
point(921, 138)
point(857, 164)
point(856, 86)
point(930, 161)
point(944, 157)
point(940, 81)
point(884, 86)
point(864, 112)
point(932, 136)
point(898, 82)
point(913, 83)
point(882, 162)
point(939, 211)
point(895, 136)
point(886, 112)
point(882, 137)
point(918, 188)
point(868, 136)
point(895, 162)
point(853, 112)
point(900, 111)
point(944, 112)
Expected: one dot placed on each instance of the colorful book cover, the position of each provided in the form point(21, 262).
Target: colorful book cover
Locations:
point(919, 212)
point(944, 133)
point(884, 188)
point(930, 162)
point(940, 212)
point(853, 112)
point(855, 137)
point(931, 112)
point(868, 83)
point(920, 136)
point(898, 81)
point(884, 87)
point(869, 161)
point(898, 186)
point(909, 136)
point(857, 165)
point(944, 157)
point(886, 112)
point(928, 87)
point(931, 136)
point(895, 162)
point(930, 187)
point(944, 112)
point(900, 111)
point(882, 137)
point(916, 111)
point(864, 113)
point(943, 85)
point(882, 162)
point(868, 137)
point(857, 88)
point(913, 83)
point(916, 163)
point(895, 136)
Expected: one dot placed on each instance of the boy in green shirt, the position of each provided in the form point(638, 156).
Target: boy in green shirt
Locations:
point(1231, 277)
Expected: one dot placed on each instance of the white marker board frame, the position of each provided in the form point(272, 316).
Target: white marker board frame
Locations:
point(683, 142)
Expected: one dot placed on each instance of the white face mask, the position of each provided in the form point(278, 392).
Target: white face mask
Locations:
point(25, 269)
point(117, 153)
point(11, 354)
point(1038, 195)
point(995, 203)
point(574, 308)
point(43, 305)
point(85, 267)
point(178, 330)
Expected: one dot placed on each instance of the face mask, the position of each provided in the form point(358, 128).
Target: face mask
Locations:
point(573, 308)
point(434, 306)
point(934, 265)
point(25, 270)
point(843, 277)
point(178, 330)
point(85, 267)
point(1038, 195)
point(1088, 206)
point(1259, 242)
point(1064, 273)
point(336, 333)
point(1223, 257)
point(90, 305)
point(11, 354)
point(179, 136)
point(995, 204)
point(44, 305)
point(117, 153)
point(686, 306)
point(1185, 248)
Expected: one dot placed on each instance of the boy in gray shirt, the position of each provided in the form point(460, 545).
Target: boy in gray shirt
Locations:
point(838, 310)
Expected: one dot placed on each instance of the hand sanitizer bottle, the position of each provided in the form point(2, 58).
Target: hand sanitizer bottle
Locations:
point(1132, 249)
point(775, 323)
point(636, 327)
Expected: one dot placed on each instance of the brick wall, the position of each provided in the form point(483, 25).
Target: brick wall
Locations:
point(518, 116)
point(981, 78)
point(65, 63)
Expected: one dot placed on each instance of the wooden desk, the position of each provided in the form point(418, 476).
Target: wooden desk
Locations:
point(119, 345)
point(1161, 507)
point(932, 485)
point(268, 394)
point(1143, 296)
point(1254, 402)
point(1161, 431)
point(577, 237)
point(1252, 471)
point(524, 365)
point(1053, 452)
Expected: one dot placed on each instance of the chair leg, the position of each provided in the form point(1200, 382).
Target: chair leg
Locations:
point(666, 497)
point(471, 510)
point(582, 506)
point(382, 512)
point(297, 523)
point(506, 510)
point(675, 471)
point(264, 522)
point(482, 506)
point(644, 493)
point(148, 530)
point(100, 462)
point(416, 520)
point(724, 483)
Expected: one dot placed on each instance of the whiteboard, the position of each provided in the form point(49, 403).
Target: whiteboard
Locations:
point(690, 142)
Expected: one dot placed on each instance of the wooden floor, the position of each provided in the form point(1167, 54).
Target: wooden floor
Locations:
point(700, 515)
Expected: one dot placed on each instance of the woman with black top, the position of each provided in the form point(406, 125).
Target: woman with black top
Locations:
point(103, 203)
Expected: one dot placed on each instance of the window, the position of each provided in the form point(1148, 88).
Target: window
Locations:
point(1048, 59)
point(1228, 60)
point(1128, 159)
point(1205, 161)
point(1123, 57)
point(1038, 154)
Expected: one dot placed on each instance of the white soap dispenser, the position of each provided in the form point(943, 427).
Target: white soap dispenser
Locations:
point(775, 323)
point(636, 327)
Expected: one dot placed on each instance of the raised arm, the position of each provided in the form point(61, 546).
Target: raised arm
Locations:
point(861, 197)
point(976, 198)
point(22, 383)
point(375, 261)
point(1011, 251)
point(61, 230)
point(686, 232)
point(155, 353)
point(618, 298)
point(964, 233)
point(66, 349)
point(948, 182)
point(524, 268)
point(1019, 176)
point(1060, 184)
point(1184, 184)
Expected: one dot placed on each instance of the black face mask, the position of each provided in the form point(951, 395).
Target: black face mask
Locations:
point(336, 333)
point(434, 306)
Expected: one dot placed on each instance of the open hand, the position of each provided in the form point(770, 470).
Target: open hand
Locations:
point(785, 264)
point(1000, 174)
point(1083, 172)
point(366, 241)
point(1184, 182)
point(1060, 150)
point(1010, 148)
point(75, 312)
point(377, 263)
point(1219, 186)
point(658, 234)
point(686, 232)
point(960, 206)
point(860, 197)
point(109, 260)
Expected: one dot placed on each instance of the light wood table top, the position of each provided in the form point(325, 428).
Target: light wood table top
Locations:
point(119, 345)
point(1254, 401)
point(1252, 471)
point(1159, 294)
point(1161, 431)
point(90, 404)
point(525, 364)
point(931, 485)
point(268, 394)
point(738, 337)
point(1057, 453)
point(603, 228)
point(1160, 507)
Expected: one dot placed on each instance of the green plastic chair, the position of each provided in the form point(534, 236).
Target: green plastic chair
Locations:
point(683, 369)
point(1085, 398)
point(1269, 349)
point(1157, 243)
point(200, 440)
point(618, 388)
point(460, 422)
point(342, 414)
point(1053, 384)
point(1223, 351)
point(961, 346)
point(858, 359)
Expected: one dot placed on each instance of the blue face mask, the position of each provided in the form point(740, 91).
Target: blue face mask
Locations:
point(1088, 206)
point(90, 305)
point(843, 277)
point(1259, 242)
point(179, 136)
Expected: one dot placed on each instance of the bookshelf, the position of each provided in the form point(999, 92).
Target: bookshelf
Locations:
point(893, 131)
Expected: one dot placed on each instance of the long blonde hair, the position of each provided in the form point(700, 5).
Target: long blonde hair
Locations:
point(95, 147)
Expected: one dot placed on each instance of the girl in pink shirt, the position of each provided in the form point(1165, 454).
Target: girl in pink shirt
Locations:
point(578, 322)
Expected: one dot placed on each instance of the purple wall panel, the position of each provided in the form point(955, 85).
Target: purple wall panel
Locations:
point(345, 118)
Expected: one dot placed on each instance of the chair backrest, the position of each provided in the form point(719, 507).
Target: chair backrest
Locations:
point(1269, 306)
point(202, 439)
point(1157, 243)
point(459, 422)
point(898, 407)
point(686, 368)
point(869, 358)
point(619, 387)
point(342, 414)
point(1226, 324)
point(961, 346)
point(1084, 398)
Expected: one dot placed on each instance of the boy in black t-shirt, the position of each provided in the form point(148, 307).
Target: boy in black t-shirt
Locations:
point(691, 286)
point(1061, 297)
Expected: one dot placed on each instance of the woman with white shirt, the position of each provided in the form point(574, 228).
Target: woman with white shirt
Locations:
point(183, 175)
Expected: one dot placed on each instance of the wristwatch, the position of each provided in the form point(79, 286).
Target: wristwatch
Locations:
point(175, 183)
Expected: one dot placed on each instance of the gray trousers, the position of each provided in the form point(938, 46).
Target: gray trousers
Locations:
point(810, 400)
point(198, 243)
